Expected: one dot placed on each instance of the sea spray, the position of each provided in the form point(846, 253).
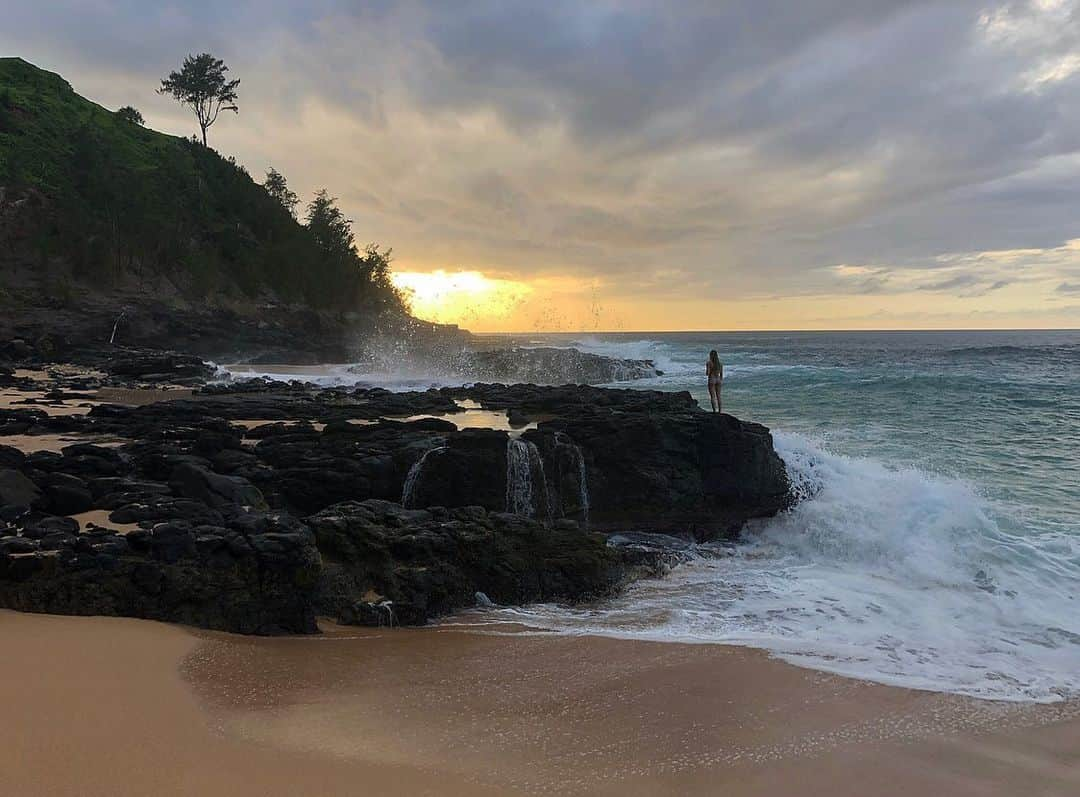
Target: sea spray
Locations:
point(408, 491)
point(893, 575)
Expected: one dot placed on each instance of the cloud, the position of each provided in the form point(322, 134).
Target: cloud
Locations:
point(686, 149)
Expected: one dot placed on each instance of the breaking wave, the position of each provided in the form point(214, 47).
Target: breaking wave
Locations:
point(895, 576)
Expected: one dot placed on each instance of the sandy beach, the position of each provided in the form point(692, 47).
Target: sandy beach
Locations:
point(151, 708)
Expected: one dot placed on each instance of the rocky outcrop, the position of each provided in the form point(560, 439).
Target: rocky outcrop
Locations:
point(384, 564)
point(691, 472)
point(253, 574)
point(331, 507)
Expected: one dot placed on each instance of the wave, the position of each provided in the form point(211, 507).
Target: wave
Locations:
point(1068, 352)
point(660, 352)
point(895, 576)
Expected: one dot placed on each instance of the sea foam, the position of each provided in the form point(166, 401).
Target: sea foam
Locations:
point(896, 576)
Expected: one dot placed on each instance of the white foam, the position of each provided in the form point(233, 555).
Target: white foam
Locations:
point(895, 576)
point(341, 375)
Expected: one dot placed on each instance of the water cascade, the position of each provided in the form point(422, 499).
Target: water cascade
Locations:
point(522, 460)
point(413, 476)
point(576, 461)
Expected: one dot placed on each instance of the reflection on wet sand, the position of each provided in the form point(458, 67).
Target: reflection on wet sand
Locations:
point(546, 714)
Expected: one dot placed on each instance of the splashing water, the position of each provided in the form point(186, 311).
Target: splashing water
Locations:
point(892, 575)
point(522, 458)
point(578, 460)
point(408, 490)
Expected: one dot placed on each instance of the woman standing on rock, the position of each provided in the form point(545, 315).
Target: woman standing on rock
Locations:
point(714, 370)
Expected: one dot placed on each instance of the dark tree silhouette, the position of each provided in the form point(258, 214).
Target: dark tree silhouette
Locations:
point(201, 85)
point(130, 114)
point(328, 225)
point(276, 187)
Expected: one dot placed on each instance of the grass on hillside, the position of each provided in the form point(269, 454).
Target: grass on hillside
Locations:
point(124, 202)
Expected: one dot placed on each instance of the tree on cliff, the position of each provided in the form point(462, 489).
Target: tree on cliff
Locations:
point(276, 187)
point(131, 114)
point(329, 227)
point(358, 277)
point(201, 85)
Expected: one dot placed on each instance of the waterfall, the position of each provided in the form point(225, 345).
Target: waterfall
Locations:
point(526, 482)
point(413, 476)
point(577, 459)
point(583, 484)
point(119, 318)
point(519, 476)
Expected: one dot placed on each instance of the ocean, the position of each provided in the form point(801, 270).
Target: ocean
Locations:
point(937, 545)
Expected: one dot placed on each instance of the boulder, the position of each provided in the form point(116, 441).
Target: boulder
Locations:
point(254, 574)
point(11, 457)
point(17, 490)
point(384, 564)
point(215, 490)
point(692, 472)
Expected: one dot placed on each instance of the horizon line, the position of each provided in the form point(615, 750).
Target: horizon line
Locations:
point(759, 331)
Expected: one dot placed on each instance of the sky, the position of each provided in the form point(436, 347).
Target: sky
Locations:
point(633, 165)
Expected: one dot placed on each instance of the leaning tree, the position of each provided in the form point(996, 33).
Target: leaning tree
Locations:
point(202, 86)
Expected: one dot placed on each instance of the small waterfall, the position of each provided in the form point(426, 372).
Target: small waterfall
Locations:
point(116, 326)
point(526, 482)
point(577, 460)
point(413, 476)
point(583, 484)
point(519, 476)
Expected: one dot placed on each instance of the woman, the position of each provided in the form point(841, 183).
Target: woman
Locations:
point(714, 370)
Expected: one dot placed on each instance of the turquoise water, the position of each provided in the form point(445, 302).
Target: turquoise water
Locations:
point(1000, 409)
point(938, 542)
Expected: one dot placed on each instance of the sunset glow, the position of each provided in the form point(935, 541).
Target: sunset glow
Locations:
point(461, 297)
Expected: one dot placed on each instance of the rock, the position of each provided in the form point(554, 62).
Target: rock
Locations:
point(158, 366)
point(87, 459)
point(160, 509)
point(17, 490)
point(11, 457)
point(49, 524)
point(469, 470)
point(693, 472)
point(384, 564)
point(254, 574)
point(215, 490)
point(66, 500)
point(209, 550)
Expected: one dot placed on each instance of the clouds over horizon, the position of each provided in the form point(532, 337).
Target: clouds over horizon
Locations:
point(680, 150)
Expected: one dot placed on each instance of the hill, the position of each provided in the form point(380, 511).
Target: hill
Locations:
point(109, 203)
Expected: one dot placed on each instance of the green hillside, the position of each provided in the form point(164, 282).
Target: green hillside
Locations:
point(116, 200)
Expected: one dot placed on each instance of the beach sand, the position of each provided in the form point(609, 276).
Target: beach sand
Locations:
point(100, 706)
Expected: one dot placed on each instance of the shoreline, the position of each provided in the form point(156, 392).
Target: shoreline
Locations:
point(451, 711)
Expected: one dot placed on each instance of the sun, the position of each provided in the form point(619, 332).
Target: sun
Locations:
point(460, 297)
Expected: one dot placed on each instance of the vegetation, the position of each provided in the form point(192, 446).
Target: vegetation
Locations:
point(201, 85)
point(121, 202)
point(276, 187)
point(130, 114)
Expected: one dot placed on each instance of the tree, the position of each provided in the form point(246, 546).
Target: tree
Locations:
point(329, 227)
point(130, 114)
point(201, 85)
point(276, 187)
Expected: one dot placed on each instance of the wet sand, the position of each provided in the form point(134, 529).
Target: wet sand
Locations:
point(112, 706)
point(97, 707)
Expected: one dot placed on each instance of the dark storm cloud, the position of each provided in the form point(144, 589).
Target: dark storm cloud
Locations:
point(749, 145)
